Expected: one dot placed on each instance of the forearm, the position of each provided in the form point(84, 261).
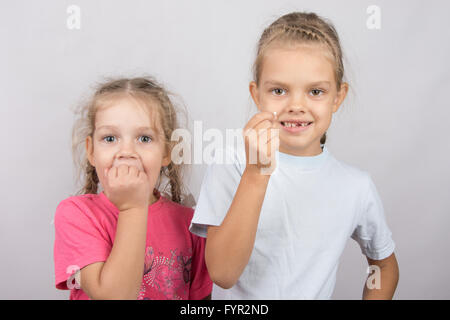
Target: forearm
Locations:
point(121, 275)
point(389, 276)
point(229, 247)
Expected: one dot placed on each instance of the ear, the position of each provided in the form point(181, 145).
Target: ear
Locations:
point(254, 92)
point(167, 159)
point(90, 150)
point(342, 93)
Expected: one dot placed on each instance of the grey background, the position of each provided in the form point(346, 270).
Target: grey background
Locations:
point(392, 123)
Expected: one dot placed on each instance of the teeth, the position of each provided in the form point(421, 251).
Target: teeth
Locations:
point(294, 124)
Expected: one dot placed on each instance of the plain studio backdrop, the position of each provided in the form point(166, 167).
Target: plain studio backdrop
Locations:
point(392, 123)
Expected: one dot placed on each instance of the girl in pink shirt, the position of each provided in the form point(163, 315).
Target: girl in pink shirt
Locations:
point(128, 241)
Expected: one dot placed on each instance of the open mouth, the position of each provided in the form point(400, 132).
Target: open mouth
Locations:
point(295, 124)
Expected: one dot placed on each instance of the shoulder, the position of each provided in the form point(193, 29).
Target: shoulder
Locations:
point(176, 210)
point(177, 217)
point(351, 180)
point(359, 182)
point(232, 153)
point(75, 208)
point(226, 165)
point(81, 201)
point(350, 173)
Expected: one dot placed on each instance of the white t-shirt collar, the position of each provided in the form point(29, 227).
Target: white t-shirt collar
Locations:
point(304, 162)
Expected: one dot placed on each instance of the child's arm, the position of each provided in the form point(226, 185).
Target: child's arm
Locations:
point(120, 276)
point(229, 246)
point(389, 278)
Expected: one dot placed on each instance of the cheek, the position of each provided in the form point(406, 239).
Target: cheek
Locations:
point(101, 163)
point(322, 109)
point(323, 119)
point(152, 168)
point(103, 157)
point(152, 161)
point(270, 104)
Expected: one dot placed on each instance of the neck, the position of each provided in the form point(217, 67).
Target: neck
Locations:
point(309, 151)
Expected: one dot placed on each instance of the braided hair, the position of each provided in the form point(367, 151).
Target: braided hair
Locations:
point(301, 27)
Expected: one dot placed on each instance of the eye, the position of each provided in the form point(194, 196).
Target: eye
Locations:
point(109, 139)
point(278, 91)
point(145, 139)
point(317, 92)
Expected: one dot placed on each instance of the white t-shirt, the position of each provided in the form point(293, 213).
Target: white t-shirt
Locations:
point(312, 206)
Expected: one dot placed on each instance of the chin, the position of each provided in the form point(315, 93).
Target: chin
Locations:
point(292, 148)
point(294, 144)
point(296, 147)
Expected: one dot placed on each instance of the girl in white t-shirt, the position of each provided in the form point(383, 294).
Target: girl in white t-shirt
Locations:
point(277, 224)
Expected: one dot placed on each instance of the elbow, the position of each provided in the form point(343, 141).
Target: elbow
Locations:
point(226, 284)
point(223, 281)
point(220, 268)
point(220, 275)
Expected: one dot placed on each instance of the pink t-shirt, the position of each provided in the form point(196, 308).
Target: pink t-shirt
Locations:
point(85, 228)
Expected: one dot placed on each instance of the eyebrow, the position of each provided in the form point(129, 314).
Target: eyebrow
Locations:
point(281, 84)
point(114, 128)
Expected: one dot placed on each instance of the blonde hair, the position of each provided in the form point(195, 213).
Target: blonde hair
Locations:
point(301, 28)
point(146, 90)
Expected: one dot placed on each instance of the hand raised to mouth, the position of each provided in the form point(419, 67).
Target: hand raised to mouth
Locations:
point(261, 141)
point(127, 187)
point(129, 162)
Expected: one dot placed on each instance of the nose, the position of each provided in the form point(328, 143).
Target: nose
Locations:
point(296, 105)
point(126, 155)
point(126, 151)
point(296, 108)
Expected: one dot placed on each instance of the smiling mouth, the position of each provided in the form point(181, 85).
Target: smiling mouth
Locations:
point(294, 124)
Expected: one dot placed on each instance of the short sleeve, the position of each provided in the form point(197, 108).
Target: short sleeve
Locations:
point(372, 232)
point(79, 241)
point(201, 284)
point(217, 191)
